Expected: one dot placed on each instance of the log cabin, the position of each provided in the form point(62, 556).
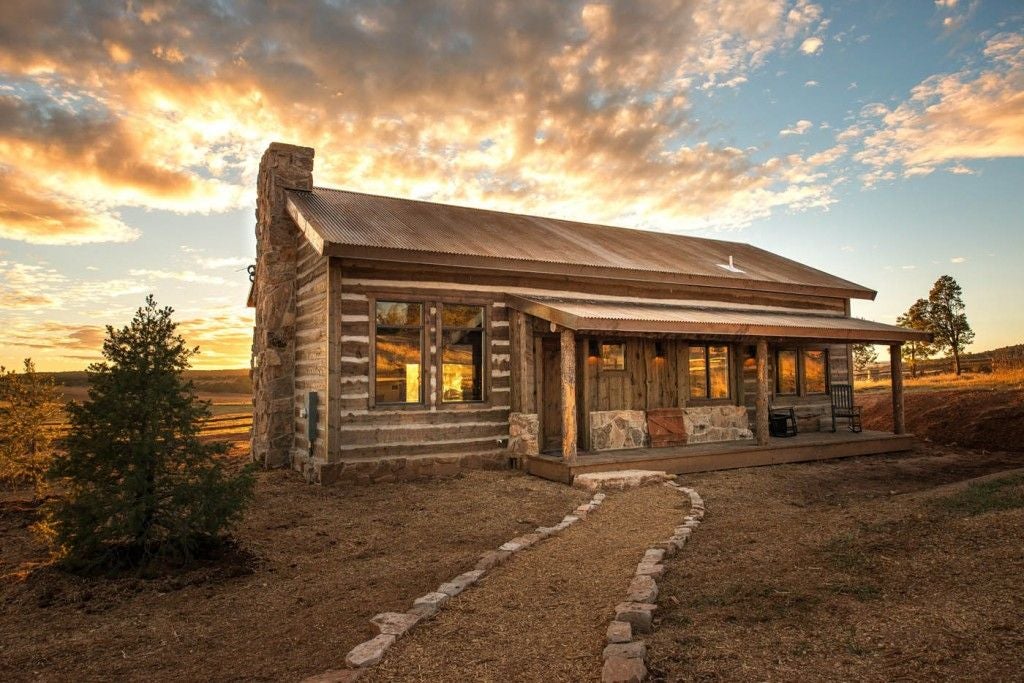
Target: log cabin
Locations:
point(396, 339)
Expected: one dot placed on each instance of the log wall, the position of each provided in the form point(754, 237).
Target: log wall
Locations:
point(369, 442)
point(311, 332)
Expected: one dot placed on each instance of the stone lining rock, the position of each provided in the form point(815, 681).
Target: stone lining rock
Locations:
point(393, 625)
point(619, 480)
point(624, 656)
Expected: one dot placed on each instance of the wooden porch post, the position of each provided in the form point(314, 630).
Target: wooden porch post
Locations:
point(896, 375)
point(568, 396)
point(763, 392)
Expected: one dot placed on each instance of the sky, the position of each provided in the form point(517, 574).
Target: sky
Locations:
point(879, 141)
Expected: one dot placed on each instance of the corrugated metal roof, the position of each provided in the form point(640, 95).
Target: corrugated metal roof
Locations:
point(346, 218)
point(599, 315)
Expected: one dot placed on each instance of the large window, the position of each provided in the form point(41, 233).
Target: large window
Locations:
point(462, 353)
point(801, 371)
point(786, 372)
point(815, 370)
point(398, 352)
point(709, 372)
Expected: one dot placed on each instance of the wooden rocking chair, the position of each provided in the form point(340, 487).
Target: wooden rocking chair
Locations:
point(842, 407)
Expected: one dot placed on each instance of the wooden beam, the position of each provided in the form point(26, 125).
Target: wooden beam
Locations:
point(896, 372)
point(568, 355)
point(763, 392)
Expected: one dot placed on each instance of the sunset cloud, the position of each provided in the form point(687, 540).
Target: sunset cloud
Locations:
point(949, 118)
point(168, 106)
point(798, 128)
point(811, 45)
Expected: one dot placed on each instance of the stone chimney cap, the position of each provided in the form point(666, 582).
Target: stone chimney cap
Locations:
point(288, 148)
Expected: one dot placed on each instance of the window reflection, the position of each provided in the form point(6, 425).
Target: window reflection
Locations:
point(815, 364)
point(785, 372)
point(613, 356)
point(398, 352)
point(709, 372)
point(462, 353)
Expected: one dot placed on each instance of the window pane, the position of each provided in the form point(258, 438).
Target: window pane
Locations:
point(698, 373)
point(398, 357)
point(785, 371)
point(462, 365)
point(462, 316)
point(396, 314)
point(718, 360)
point(814, 372)
point(613, 356)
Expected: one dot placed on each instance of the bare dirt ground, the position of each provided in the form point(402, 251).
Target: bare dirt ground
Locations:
point(988, 419)
point(849, 570)
point(313, 565)
point(542, 616)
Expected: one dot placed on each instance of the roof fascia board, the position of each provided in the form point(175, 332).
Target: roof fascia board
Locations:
point(525, 267)
point(306, 227)
point(753, 331)
point(540, 310)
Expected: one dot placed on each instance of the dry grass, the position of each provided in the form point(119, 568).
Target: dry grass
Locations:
point(313, 565)
point(1000, 379)
point(862, 569)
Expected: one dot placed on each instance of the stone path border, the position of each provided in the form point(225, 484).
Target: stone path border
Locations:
point(624, 655)
point(393, 625)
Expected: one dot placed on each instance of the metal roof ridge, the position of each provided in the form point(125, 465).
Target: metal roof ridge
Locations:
point(544, 218)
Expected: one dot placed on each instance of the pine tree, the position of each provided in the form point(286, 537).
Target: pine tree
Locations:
point(863, 356)
point(947, 318)
point(916, 318)
point(139, 482)
point(28, 402)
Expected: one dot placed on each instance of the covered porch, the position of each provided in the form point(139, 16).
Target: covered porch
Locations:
point(557, 349)
point(722, 455)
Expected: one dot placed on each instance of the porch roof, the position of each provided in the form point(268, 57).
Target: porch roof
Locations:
point(713, 319)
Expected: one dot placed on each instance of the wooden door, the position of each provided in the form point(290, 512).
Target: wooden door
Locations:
point(551, 395)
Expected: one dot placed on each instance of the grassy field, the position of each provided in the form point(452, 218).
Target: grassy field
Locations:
point(1000, 379)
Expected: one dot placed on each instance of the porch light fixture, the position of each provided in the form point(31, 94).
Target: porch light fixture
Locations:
point(659, 349)
point(592, 348)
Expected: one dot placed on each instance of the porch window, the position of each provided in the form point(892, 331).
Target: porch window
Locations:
point(462, 353)
point(815, 368)
point(613, 356)
point(709, 372)
point(786, 372)
point(398, 352)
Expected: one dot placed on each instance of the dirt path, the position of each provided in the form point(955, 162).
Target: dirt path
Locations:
point(543, 615)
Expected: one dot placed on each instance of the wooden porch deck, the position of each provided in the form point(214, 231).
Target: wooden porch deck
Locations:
point(724, 455)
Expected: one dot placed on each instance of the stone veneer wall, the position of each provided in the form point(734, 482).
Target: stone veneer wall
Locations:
point(273, 344)
point(707, 424)
point(617, 429)
point(523, 431)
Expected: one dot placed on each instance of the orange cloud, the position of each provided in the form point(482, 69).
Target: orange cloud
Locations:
point(950, 118)
point(526, 106)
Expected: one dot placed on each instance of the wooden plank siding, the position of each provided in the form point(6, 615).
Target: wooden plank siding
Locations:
point(311, 332)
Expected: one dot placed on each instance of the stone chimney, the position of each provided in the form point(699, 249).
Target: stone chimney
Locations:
point(273, 340)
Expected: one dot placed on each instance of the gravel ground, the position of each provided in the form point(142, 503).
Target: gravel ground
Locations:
point(542, 616)
point(313, 565)
point(847, 570)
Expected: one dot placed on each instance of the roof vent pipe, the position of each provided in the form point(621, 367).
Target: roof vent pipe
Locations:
point(731, 267)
